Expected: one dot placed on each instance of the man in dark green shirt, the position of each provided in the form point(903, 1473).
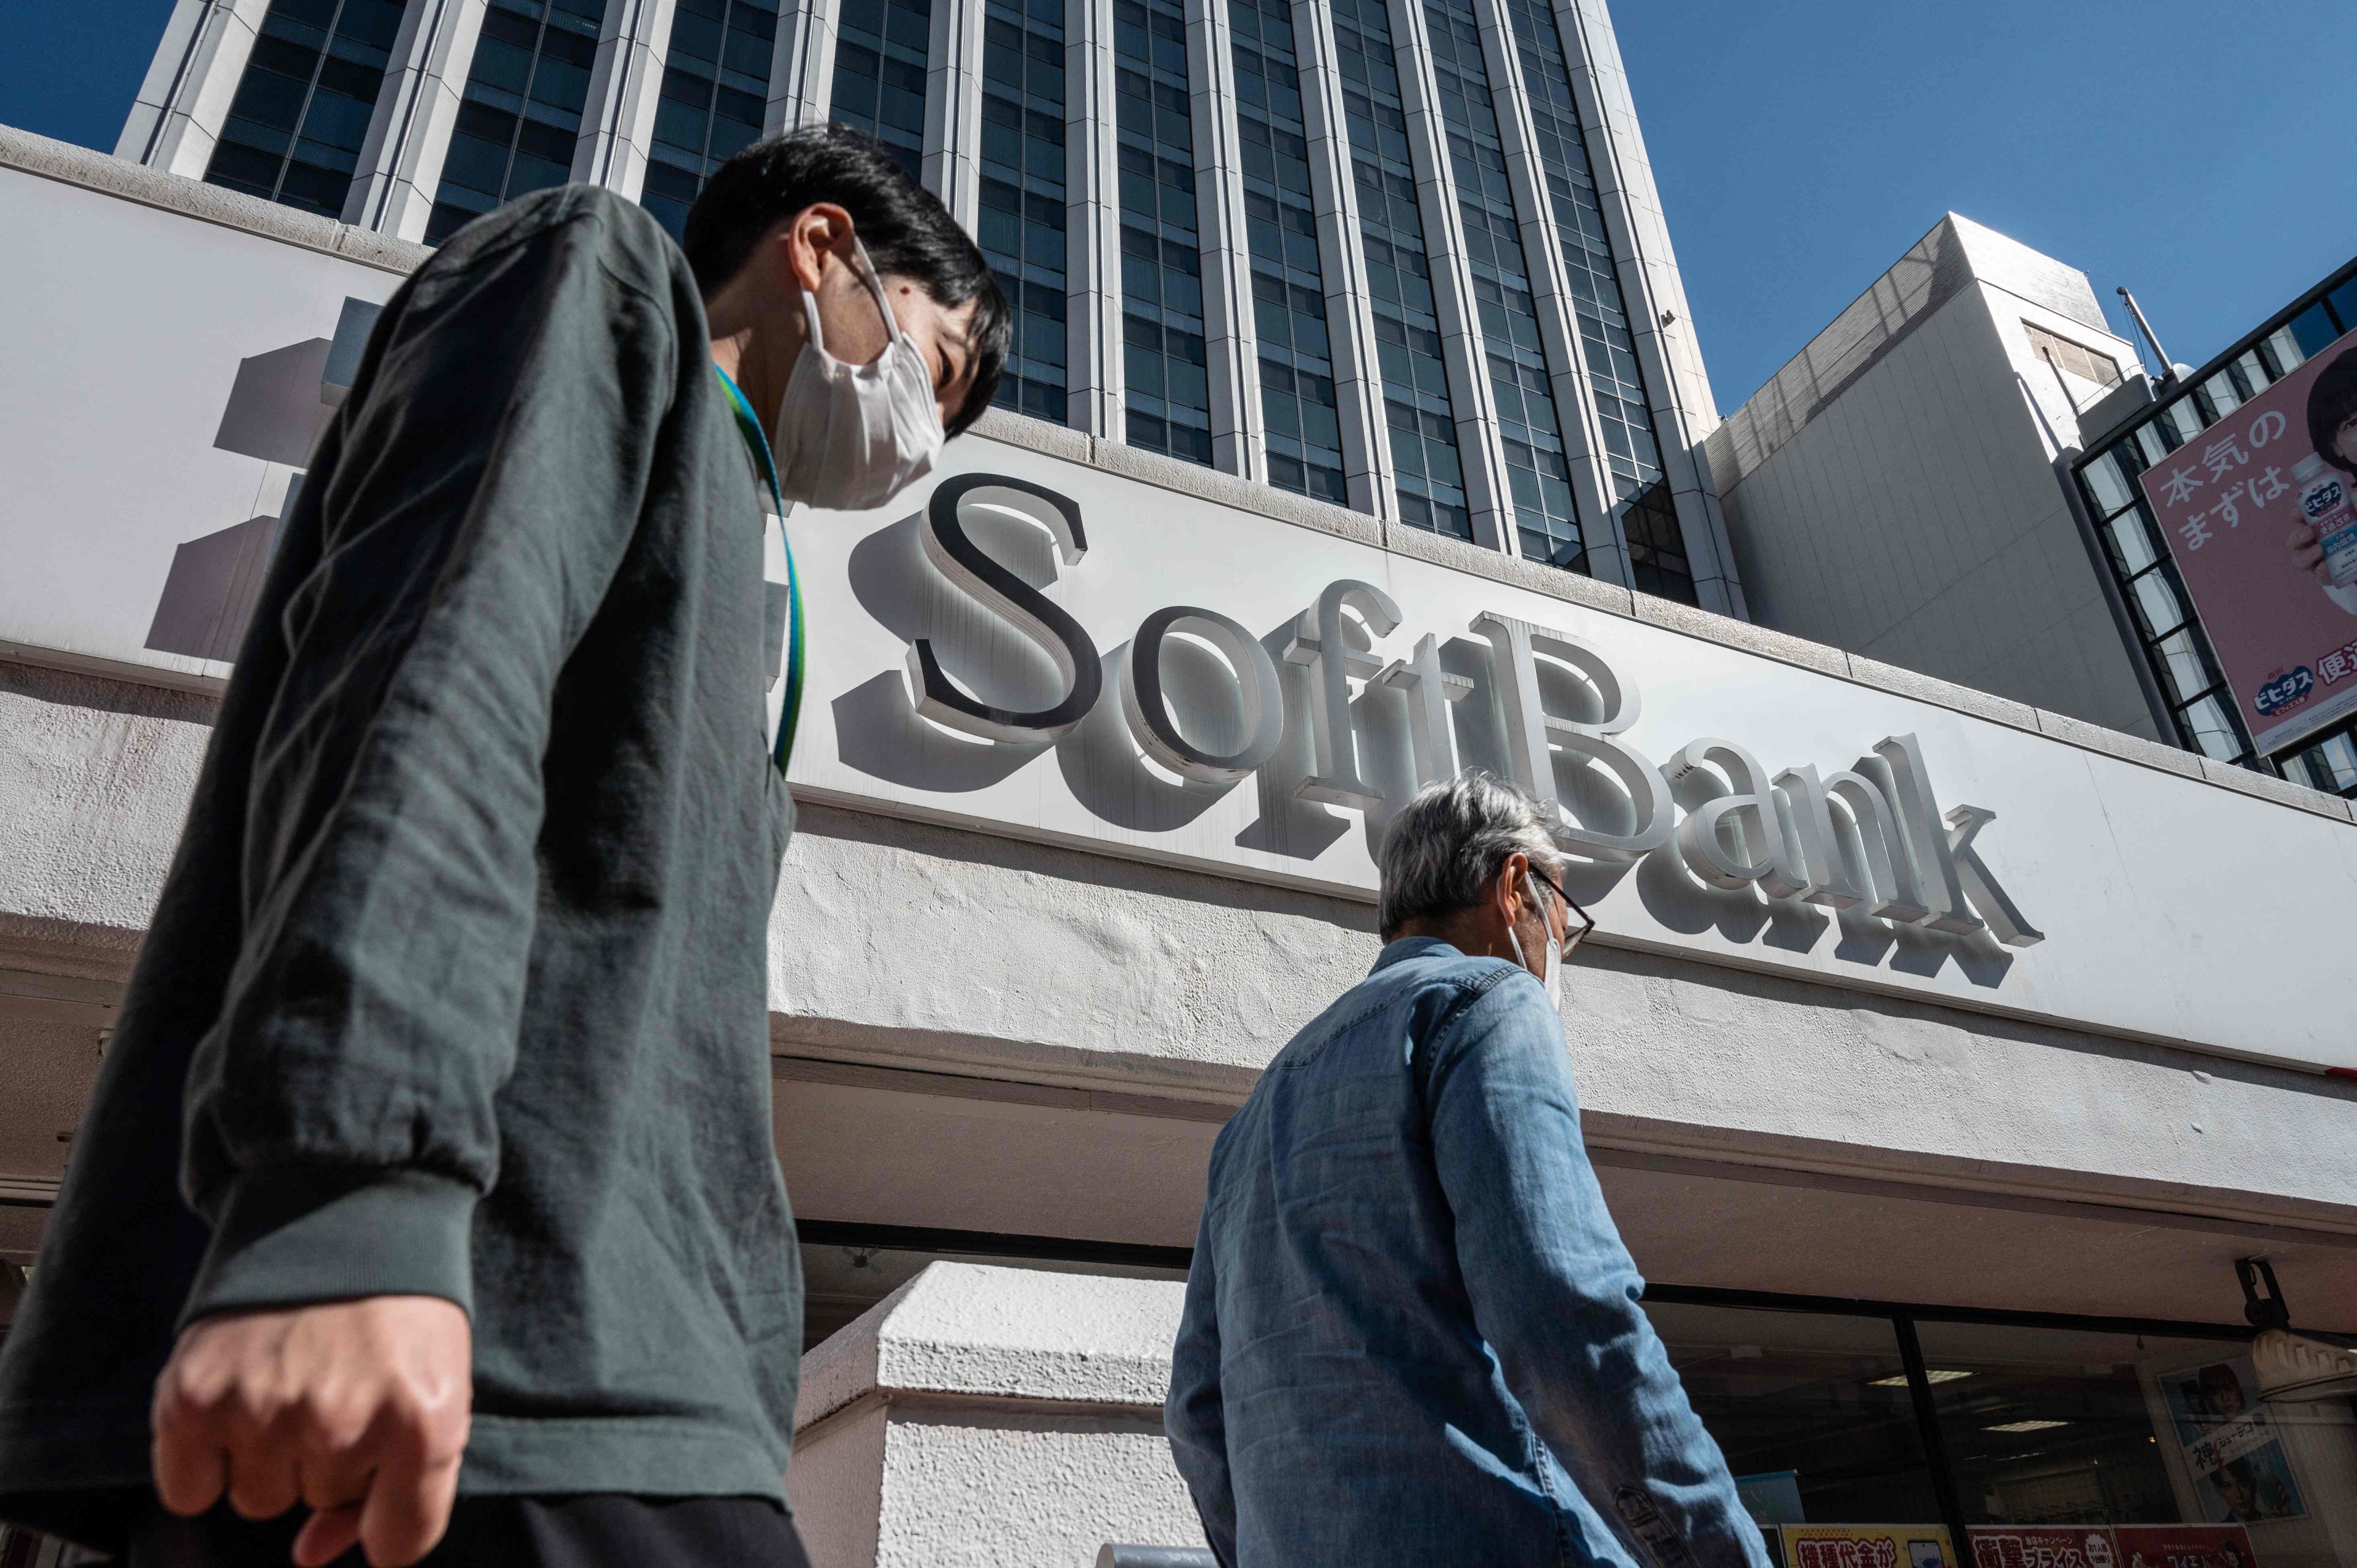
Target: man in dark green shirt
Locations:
point(433, 1153)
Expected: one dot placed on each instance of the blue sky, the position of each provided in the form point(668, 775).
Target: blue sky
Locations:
point(2205, 155)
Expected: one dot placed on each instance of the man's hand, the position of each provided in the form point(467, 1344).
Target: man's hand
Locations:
point(358, 1409)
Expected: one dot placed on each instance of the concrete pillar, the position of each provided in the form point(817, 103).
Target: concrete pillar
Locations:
point(401, 163)
point(618, 124)
point(177, 117)
point(992, 1414)
point(1479, 447)
point(1653, 295)
point(1092, 223)
point(953, 159)
point(801, 70)
point(1349, 318)
point(1239, 443)
point(1574, 398)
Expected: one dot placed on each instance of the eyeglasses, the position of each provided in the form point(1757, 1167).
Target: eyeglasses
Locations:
point(1571, 934)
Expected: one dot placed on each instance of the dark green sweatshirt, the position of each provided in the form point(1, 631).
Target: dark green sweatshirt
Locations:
point(459, 982)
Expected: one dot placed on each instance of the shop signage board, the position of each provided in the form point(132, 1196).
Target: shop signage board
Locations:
point(1867, 1546)
point(2183, 1546)
point(977, 657)
point(2111, 1546)
point(2041, 1546)
point(2228, 502)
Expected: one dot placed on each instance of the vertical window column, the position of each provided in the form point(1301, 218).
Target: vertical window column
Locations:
point(1546, 524)
point(301, 113)
point(1302, 419)
point(1632, 479)
point(1092, 222)
point(715, 90)
point(954, 92)
point(880, 74)
point(1350, 325)
point(392, 189)
point(522, 110)
point(1166, 389)
point(802, 64)
point(1422, 427)
point(1022, 227)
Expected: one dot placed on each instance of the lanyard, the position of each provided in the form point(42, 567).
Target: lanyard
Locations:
point(748, 425)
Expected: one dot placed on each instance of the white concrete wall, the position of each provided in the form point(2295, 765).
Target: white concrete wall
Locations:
point(1917, 519)
point(1057, 966)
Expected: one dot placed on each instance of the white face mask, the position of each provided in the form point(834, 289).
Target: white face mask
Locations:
point(1553, 980)
point(851, 436)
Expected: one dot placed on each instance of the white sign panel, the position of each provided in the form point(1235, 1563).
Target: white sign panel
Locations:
point(162, 380)
point(974, 658)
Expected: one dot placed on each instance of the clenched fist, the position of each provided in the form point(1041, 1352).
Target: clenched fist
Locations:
point(357, 1409)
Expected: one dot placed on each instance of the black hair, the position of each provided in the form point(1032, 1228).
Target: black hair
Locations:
point(908, 232)
point(2331, 403)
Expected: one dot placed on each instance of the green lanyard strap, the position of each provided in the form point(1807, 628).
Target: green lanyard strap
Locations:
point(757, 442)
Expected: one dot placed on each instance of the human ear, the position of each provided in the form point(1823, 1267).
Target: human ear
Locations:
point(816, 229)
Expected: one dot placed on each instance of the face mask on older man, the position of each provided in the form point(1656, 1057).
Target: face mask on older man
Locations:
point(1553, 979)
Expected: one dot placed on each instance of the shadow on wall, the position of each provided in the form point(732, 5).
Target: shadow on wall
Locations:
point(278, 407)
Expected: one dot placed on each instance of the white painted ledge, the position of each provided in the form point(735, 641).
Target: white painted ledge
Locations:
point(968, 1330)
point(979, 1417)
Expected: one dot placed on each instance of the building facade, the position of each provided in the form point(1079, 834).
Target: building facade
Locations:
point(2140, 426)
point(1949, 477)
point(1407, 258)
point(1894, 490)
point(1938, 1078)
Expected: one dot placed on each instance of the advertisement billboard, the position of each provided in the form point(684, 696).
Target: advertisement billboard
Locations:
point(2111, 1546)
point(2184, 1546)
point(2231, 1445)
point(2260, 513)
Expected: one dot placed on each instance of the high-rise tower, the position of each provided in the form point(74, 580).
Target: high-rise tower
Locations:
point(1402, 255)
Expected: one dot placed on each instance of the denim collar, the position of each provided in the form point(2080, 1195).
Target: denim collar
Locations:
point(1407, 948)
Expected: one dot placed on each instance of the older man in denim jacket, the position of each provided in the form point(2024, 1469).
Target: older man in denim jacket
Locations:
point(1412, 1334)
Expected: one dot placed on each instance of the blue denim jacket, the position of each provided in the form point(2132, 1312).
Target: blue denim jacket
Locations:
point(1412, 1334)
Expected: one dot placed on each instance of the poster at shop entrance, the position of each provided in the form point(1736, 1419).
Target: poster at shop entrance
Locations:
point(2228, 502)
point(2113, 1546)
point(2183, 1546)
point(2041, 1546)
point(1867, 1546)
point(2231, 1445)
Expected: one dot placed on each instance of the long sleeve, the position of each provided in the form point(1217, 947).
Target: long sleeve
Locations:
point(1193, 1415)
point(457, 533)
point(1555, 1294)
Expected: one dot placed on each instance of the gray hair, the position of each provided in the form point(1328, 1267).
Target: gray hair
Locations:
point(1443, 850)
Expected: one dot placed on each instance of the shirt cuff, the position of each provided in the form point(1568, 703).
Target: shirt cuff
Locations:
point(298, 1235)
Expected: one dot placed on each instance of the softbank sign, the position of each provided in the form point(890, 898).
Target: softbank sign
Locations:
point(1345, 702)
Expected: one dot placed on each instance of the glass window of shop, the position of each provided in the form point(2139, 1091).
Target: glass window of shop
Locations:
point(1810, 1409)
point(2058, 1445)
point(2042, 1442)
point(2169, 633)
point(2159, 1444)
